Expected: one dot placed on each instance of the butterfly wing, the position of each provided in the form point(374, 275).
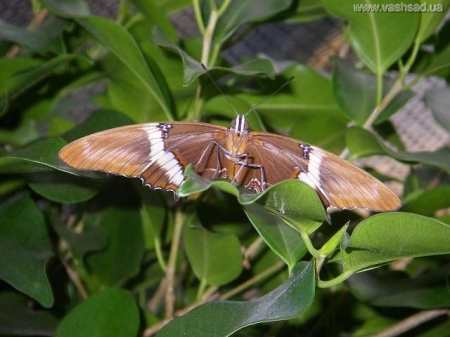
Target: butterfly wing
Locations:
point(338, 182)
point(155, 152)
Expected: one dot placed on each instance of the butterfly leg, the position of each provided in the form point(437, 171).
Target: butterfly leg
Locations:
point(245, 163)
point(242, 160)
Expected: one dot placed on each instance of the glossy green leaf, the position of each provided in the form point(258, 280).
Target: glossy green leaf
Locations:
point(37, 157)
point(119, 42)
point(379, 37)
point(155, 221)
point(293, 201)
point(399, 290)
point(25, 249)
point(429, 201)
point(12, 67)
point(438, 158)
point(309, 94)
point(127, 94)
point(439, 64)
point(307, 11)
point(193, 68)
point(223, 318)
point(215, 258)
point(337, 240)
point(281, 238)
point(438, 100)
point(80, 243)
point(387, 237)
point(111, 312)
point(154, 12)
point(122, 257)
point(307, 100)
point(20, 82)
point(430, 19)
point(35, 39)
point(324, 132)
point(362, 144)
point(239, 12)
point(356, 93)
point(98, 120)
point(17, 318)
point(195, 184)
point(63, 188)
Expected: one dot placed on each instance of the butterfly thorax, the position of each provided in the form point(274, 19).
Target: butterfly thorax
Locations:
point(236, 148)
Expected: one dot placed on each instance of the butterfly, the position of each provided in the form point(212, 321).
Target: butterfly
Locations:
point(158, 154)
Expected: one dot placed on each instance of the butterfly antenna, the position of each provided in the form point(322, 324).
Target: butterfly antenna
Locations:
point(219, 89)
point(289, 80)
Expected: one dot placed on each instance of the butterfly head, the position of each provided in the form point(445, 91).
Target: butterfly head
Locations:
point(239, 126)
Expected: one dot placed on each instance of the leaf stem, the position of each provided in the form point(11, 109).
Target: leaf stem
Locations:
point(307, 241)
point(333, 282)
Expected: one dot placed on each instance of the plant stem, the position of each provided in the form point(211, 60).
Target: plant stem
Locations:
point(411, 322)
point(208, 38)
point(255, 279)
point(170, 270)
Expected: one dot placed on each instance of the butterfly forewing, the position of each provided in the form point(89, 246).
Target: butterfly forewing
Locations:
point(339, 183)
point(155, 152)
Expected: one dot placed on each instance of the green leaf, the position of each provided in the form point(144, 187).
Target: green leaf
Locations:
point(308, 10)
point(25, 249)
point(17, 318)
point(306, 100)
point(379, 37)
point(438, 100)
point(362, 143)
point(356, 93)
point(111, 312)
point(35, 39)
point(20, 82)
point(80, 243)
point(223, 318)
point(12, 67)
point(98, 120)
point(192, 68)
point(119, 42)
point(387, 237)
point(195, 184)
point(281, 238)
point(239, 12)
point(439, 64)
point(37, 157)
point(438, 158)
point(429, 201)
point(122, 257)
point(215, 258)
point(155, 13)
point(399, 290)
point(430, 20)
point(64, 188)
point(336, 241)
point(293, 201)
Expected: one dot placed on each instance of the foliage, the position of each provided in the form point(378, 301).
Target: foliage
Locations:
point(82, 254)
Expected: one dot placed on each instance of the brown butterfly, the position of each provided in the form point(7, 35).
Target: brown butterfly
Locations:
point(158, 153)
